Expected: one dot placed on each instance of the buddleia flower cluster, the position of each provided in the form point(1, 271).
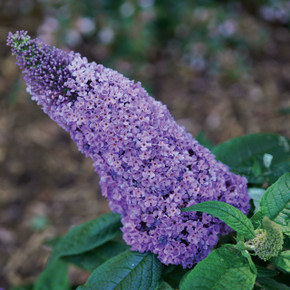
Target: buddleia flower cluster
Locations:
point(268, 241)
point(149, 167)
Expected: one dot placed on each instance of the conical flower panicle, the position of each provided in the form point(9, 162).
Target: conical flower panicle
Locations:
point(149, 167)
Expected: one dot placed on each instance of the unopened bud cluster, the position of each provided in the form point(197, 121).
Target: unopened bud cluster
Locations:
point(268, 241)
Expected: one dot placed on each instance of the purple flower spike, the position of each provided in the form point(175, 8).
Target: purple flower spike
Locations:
point(149, 167)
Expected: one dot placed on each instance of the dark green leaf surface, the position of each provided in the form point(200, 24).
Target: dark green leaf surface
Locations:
point(54, 277)
point(174, 276)
point(168, 269)
point(223, 269)
point(244, 155)
point(87, 236)
point(275, 202)
point(164, 286)
point(271, 284)
point(287, 242)
point(282, 261)
point(252, 265)
point(264, 272)
point(96, 257)
point(227, 213)
point(127, 271)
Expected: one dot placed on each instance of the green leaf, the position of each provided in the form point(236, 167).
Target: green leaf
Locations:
point(168, 269)
point(129, 270)
point(244, 155)
point(87, 236)
point(271, 284)
point(96, 257)
point(287, 242)
point(275, 202)
point(54, 277)
point(264, 272)
point(164, 286)
point(241, 247)
point(174, 276)
point(228, 214)
point(247, 255)
point(203, 140)
point(224, 269)
point(257, 218)
point(256, 168)
point(282, 261)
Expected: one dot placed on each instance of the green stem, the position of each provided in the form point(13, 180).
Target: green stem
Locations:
point(249, 247)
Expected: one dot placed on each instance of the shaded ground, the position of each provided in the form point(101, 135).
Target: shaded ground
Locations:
point(46, 185)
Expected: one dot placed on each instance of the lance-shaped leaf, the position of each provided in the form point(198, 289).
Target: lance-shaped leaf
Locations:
point(233, 217)
point(224, 269)
point(53, 277)
point(275, 202)
point(92, 259)
point(271, 284)
point(129, 270)
point(282, 261)
point(265, 272)
point(245, 156)
point(87, 236)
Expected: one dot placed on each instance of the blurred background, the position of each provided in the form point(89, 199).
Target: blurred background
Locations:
point(221, 67)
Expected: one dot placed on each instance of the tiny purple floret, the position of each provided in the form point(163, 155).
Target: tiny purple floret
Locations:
point(149, 167)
